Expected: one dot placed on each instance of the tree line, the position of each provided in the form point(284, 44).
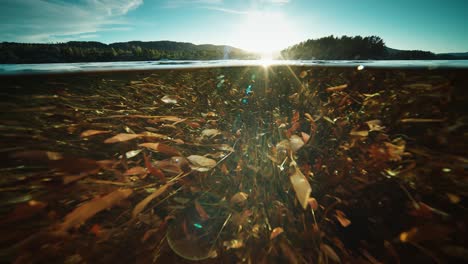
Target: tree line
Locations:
point(76, 51)
point(358, 48)
point(326, 48)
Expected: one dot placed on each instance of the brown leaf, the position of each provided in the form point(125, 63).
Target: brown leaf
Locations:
point(239, 197)
point(341, 217)
point(161, 148)
point(276, 232)
point(305, 137)
point(153, 170)
point(89, 133)
point(201, 163)
point(88, 209)
point(203, 215)
point(122, 137)
point(138, 171)
point(313, 203)
point(303, 74)
point(395, 151)
point(143, 203)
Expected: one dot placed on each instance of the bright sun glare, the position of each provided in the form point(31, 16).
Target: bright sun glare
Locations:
point(264, 32)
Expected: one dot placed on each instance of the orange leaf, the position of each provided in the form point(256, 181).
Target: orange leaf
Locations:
point(89, 133)
point(276, 232)
point(88, 209)
point(122, 137)
point(138, 170)
point(313, 203)
point(341, 217)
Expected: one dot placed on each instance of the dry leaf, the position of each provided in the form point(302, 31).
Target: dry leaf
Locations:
point(143, 203)
point(88, 209)
point(341, 217)
point(122, 137)
point(162, 148)
point(301, 187)
point(201, 163)
point(303, 74)
point(276, 232)
point(89, 133)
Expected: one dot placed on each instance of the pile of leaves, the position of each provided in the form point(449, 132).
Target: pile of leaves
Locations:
point(248, 164)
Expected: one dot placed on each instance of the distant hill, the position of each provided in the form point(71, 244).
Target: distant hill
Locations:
point(457, 55)
point(91, 51)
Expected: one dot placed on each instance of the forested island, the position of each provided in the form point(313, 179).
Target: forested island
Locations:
point(326, 48)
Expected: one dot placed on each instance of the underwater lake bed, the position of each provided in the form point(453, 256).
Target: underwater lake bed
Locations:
point(254, 164)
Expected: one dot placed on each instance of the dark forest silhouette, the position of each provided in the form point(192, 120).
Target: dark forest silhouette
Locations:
point(326, 48)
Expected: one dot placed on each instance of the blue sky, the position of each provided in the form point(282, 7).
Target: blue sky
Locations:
point(260, 25)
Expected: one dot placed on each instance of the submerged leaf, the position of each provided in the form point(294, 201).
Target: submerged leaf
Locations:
point(162, 148)
point(295, 142)
point(143, 203)
point(210, 133)
point(201, 163)
point(132, 153)
point(239, 197)
point(87, 210)
point(276, 232)
point(89, 133)
point(341, 217)
point(169, 99)
point(122, 137)
point(301, 187)
point(138, 171)
point(201, 211)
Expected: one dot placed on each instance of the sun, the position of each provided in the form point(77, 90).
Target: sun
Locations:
point(264, 32)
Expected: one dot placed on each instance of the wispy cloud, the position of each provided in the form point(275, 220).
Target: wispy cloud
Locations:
point(226, 10)
point(52, 21)
point(184, 3)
